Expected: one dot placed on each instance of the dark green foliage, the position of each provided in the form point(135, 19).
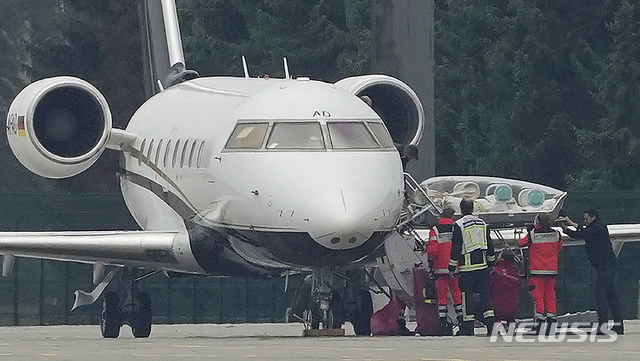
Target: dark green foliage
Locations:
point(538, 90)
point(327, 39)
point(545, 91)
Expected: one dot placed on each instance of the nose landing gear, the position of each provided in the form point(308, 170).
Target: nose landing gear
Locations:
point(324, 304)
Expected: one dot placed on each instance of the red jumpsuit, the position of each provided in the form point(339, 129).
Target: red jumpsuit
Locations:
point(544, 247)
point(439, 251)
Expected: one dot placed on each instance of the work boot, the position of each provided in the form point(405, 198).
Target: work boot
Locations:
point(618, 327)
point(539, 325)
point(489, 323)
point(551, 324)
point(602, 326)
point(466, 329)
point(445, 328)
point(402, 328)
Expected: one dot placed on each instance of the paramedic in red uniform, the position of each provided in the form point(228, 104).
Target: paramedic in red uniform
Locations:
point(544, 245)
point(438, 252)
point(472, 253)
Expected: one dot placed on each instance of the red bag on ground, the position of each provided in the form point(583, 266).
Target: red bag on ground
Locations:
point(504, 286)
point(384, 322)
point(425, 295)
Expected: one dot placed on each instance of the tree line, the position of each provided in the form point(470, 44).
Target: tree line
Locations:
point(545, 91)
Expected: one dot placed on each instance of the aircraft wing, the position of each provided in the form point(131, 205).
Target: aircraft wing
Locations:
point(618, 233)
point(154, 250)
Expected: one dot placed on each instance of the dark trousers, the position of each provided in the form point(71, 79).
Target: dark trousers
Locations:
point(476, 298)
point(606, 296)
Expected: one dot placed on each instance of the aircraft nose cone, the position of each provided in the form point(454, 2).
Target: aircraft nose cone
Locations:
point(342, 218)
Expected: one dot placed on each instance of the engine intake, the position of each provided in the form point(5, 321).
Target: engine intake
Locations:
point(58, 127)
point(395, 102)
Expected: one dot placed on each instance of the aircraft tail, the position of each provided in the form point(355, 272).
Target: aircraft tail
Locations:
point(163, 56)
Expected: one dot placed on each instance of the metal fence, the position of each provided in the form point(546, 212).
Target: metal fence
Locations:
point(40, 292)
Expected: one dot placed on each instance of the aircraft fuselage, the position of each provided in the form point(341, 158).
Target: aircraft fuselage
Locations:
point(281, 173)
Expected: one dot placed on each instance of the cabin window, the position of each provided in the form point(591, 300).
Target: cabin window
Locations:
point(247, 136)
point(200, 163)
point(183, 157)
point(150, 149)
point(382, 134)
point(192, 153)
point(175, 153)
point(158, 152)
point(144, 143)
point(351, 135)
point(166, 153)
point(296, 136)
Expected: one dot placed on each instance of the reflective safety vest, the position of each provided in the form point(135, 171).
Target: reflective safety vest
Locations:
point(439, 246)
point(474, 233)
point(471, 248)
point(544, 247)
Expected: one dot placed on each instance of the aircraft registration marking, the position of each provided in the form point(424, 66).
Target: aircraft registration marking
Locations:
point(11, 124)
point(321, 113)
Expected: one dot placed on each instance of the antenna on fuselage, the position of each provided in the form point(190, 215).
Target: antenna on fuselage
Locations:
point(244, 67)
point(286, 69)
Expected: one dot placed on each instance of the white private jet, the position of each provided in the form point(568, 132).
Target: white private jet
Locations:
point(250, 177)
point(231, 176)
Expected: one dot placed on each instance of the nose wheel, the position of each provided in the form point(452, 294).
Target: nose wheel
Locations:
point(322, 304)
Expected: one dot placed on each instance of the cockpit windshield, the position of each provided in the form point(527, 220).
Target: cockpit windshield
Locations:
point(296, 136)
point(247, 136)
point(382, 134)
point(351, 135)
point(310, 135)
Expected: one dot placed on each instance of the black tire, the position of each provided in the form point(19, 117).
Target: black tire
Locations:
point(312, 316)
point(141, 323)
point(361, 317)
point(110, 317)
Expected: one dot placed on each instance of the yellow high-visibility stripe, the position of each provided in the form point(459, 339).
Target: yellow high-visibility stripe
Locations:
point(465, 316)
point(472, 267)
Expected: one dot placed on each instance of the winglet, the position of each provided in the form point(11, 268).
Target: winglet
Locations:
point(244, 67)
point(286, 69)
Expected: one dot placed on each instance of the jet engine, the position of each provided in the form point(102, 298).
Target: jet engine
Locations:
point(58, 127)
point(394, 101)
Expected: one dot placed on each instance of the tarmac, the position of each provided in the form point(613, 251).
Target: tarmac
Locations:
point(284, 342)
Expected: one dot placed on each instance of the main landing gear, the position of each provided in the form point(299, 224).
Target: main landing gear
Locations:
point(130, 306)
